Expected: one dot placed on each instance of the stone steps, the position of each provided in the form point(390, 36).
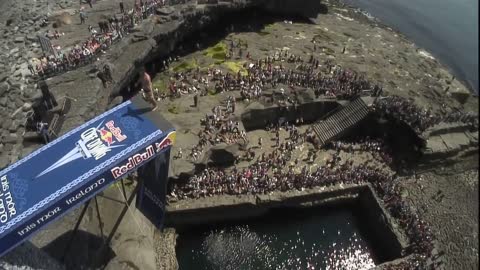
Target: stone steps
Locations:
point(445, 128)
point(446, 145)
point(340, 121)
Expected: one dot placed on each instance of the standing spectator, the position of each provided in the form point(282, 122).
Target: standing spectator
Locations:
point(83, 16)
point(107, 73)
point(90, 3)
point(42, 130)
point(101, 76)
point(195, 101)
point(30, 67)
point(122, 8)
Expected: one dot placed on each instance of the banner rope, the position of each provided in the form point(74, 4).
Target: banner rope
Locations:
point(136, 219)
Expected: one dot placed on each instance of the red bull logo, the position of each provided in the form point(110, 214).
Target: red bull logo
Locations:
point(168, 141)
point(113, 131)
point(164, 144)
point(106, 136)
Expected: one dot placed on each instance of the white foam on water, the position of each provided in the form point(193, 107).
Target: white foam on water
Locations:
point(425, 54)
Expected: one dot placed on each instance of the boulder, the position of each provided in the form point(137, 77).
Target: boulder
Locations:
point(3, 77)
point(3, 101)
point(165, 11)
point(14, 50)
point(14, 126)
point(116, 101)
point(61, 19)
point(27, 106)
point(32, 38)
point(18, 103)
point(19, 40)
point(4, 87)
point(35, 95)
point(460, 94)
point(8, 147)
point(4, 162)
point(6, 123)
point(10, 139)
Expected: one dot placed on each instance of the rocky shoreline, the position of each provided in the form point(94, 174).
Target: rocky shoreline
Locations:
point(159, 35)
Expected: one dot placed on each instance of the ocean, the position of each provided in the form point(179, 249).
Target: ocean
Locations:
point(446, 28)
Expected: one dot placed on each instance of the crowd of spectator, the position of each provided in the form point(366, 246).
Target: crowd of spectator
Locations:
point(265, 74)
point(420, 119)
point(109, 31)
point(219, 127)
point(376, 147)
point(272, 173)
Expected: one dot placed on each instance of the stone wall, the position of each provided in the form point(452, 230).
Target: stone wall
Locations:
point(380, 227)
point(257, 118)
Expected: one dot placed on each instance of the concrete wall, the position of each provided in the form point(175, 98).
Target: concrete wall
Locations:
point(388, 242)
point(311, 112)
point(380, 227)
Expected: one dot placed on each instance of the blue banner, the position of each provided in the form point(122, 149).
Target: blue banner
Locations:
point(70, 170)
point(151, 196)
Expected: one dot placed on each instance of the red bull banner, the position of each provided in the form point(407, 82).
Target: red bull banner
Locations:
point(65, 173)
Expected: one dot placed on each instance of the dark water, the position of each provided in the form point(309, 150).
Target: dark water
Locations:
point(285, 239)
point(446, 28)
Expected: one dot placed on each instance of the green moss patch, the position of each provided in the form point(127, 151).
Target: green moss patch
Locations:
point(327, 50)
point(322, 35)
point(185, 66)
point(235, 67)
point(217, 52)
point(173, 109)
point(212, 92)
point(161, 82)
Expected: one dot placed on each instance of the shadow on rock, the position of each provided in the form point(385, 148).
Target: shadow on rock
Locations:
point(28, 256)
point(86, 251)
point(306, 8)
point(223, 157)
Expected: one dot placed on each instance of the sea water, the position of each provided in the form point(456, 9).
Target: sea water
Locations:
point(317, 238)
point(446, 28)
